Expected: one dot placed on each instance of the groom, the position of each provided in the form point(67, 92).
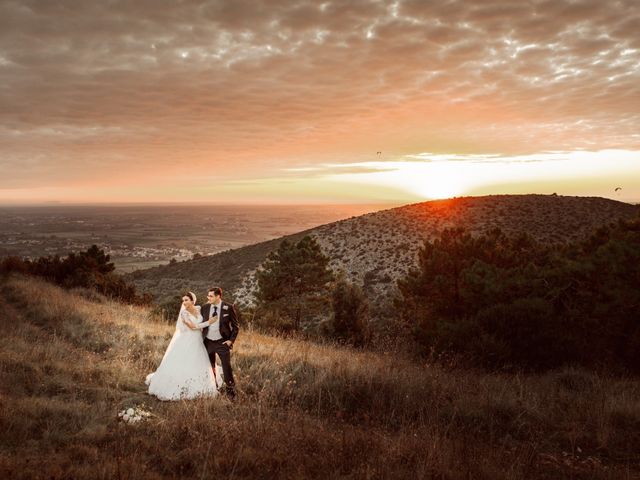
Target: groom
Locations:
point(220, 335)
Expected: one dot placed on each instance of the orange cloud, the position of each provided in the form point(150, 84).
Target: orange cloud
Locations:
point(114, 95)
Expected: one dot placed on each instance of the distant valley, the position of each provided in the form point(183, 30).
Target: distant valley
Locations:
point(376, 249)
point(139, 237)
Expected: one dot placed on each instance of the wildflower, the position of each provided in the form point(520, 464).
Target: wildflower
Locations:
point(134, 415)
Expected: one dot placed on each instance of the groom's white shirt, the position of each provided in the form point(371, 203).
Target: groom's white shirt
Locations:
point(214, 328)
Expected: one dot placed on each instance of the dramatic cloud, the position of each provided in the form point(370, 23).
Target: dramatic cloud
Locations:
point(147, 89)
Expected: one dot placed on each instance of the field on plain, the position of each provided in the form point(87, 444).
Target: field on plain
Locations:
point(140, 237)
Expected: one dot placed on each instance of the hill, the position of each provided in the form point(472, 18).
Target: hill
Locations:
point(376, 249)
point(71, 361)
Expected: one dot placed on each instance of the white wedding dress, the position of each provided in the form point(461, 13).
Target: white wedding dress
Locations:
point(185, 371)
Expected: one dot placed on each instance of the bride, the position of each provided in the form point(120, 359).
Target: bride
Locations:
point(185, 371)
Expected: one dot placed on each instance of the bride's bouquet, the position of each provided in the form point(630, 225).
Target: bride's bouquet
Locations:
point(133, 414)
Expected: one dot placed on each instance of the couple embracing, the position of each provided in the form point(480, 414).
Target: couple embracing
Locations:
point(188, 368)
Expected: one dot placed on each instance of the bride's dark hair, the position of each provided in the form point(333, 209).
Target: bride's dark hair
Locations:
point(190, 295)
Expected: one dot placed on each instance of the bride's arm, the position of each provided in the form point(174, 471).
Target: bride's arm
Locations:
point(205, 324)
point(185, 319)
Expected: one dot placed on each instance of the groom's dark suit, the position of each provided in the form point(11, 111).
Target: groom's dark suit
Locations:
point(228, 321)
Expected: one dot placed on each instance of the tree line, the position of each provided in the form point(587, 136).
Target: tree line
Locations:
point(91, 269)
point(509, 301)
point(493, 300)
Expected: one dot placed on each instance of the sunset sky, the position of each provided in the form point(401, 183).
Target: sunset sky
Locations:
point(307, 102)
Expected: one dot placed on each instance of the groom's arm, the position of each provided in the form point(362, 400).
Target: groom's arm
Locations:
point(234, 323)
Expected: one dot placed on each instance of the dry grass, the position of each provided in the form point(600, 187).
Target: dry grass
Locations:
point(69, 364)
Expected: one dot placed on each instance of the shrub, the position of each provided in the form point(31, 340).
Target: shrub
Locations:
point(90, 269)
point(168, 309)
point(350, 321)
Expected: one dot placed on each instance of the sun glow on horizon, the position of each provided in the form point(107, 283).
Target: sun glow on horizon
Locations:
point(428, 181)
point(431, 176)
point(404, 179)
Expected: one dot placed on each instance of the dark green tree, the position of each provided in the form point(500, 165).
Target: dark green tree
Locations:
point(293, 284)
point(510, 302)
point(433, 294)
point(350, 321)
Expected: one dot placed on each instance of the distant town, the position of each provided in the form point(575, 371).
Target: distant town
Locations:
point(142, 237)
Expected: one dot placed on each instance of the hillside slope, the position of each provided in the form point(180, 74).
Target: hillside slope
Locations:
point(70, 362)
point(376, 249)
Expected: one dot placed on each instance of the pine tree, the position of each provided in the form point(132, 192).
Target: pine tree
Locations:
point(350, 320)
point(294, 283)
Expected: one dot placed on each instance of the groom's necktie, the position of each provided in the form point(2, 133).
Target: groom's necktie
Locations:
point(215, 310)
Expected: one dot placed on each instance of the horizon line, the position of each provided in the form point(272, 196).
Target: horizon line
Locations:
point(302, 204)
point(193, 204)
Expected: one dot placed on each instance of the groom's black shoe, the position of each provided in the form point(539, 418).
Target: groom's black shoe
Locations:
point(227, 390)
point(230, 391)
